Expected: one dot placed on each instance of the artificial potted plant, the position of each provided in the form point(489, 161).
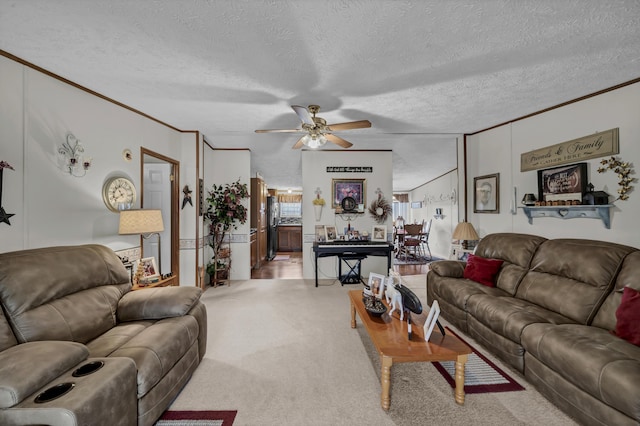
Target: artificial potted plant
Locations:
point(224, 211)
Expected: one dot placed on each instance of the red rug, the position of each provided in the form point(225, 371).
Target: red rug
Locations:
point(197, 418)
point(480, 374)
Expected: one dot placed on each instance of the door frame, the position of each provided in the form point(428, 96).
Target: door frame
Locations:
point(175, 213)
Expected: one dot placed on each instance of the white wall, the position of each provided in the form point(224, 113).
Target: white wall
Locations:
point(314, 175)
point(439, 193)
point(221, 167)
point(51, 207)
point(498, 151)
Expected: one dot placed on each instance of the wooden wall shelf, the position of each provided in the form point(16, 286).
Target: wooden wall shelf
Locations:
point(570, 212)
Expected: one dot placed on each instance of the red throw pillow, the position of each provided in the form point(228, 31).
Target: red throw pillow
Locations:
point(628, 316)
point(482, 270)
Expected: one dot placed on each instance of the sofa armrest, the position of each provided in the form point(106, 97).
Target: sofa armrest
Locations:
point(157, 303)
point(27, 367)
point(449, 268)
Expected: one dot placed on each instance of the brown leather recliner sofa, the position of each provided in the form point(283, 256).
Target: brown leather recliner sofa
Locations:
point(78, 347)
point(551, 316)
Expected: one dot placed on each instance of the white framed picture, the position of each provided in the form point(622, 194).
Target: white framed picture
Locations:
point(432, 318)
point(330, 233)
point(149, 268)
point(379, 233)
point(376, 283)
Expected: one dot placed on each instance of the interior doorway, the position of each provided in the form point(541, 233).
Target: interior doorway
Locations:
point(160, 191)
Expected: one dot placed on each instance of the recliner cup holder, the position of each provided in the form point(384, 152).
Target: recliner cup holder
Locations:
point(88, 368)
point(54, 392)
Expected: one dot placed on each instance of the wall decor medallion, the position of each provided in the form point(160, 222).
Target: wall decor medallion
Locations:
point(118, 193)
point(380, 208)
point(623, 170)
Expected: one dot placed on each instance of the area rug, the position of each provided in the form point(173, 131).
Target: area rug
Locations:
point(480, 375)
point(197, 418)
point(282, 257)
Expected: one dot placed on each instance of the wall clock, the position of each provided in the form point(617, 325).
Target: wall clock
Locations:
point(117, 191)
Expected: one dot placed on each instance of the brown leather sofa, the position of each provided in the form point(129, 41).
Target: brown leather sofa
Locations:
point(551, 316)
point(78, 347)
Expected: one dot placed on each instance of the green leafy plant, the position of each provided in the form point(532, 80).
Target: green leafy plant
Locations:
point(224, 211)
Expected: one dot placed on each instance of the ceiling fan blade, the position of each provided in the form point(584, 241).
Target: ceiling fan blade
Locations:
point(338, 140)
point(362, 124)
point(281, 131)
point(303, 114)
point(298, 144)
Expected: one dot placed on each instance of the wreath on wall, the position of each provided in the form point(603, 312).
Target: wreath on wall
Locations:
point(623, 170)
point(380, 209)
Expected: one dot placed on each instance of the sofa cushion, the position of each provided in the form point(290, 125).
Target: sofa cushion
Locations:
point(482, 270)
point(7, 338)
point(572, 277)
point(628, 315)
point(516, 250)
point(627, 277)
point(508, 316)
point(155, 346)
point(156, 303)
point(74, 290)
point(591, 358)
point(27, 367)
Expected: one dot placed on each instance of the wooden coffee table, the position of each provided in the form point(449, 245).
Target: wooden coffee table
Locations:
point(391, 339)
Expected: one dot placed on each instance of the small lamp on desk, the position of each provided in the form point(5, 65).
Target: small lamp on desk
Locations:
point(465, 232)
point(145, 223)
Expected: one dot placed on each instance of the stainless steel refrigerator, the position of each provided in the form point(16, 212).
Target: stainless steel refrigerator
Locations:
point(273, 217)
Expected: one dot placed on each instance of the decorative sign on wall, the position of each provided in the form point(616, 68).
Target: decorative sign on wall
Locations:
point(593, 146)
point(349, 169)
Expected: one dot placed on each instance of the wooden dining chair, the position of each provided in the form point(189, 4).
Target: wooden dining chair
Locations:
point(424, 238)
point(411, 242)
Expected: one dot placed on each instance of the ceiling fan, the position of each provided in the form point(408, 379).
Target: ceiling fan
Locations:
point(318, 132)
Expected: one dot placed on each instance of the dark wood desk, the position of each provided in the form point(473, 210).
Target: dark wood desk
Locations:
point(336, 248)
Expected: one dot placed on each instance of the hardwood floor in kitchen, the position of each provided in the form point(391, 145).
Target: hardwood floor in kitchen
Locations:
point(288, 265)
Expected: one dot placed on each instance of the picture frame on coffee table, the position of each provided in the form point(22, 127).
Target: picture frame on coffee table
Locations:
point(376, 283)
point(431, 320)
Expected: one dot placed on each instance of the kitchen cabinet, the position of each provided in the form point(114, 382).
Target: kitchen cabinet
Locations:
point(259, 195)
point(289, 238)
point(254, 249)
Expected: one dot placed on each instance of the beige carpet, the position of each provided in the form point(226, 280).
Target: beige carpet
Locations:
point(282, 352)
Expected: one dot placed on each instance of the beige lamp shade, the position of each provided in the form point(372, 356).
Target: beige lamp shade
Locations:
point(465, 231)
point(140, 222)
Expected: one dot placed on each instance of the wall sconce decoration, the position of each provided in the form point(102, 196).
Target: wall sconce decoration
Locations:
point(72, 150)
point(438, 214)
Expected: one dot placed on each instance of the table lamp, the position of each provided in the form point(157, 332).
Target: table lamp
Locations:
point(145, 223)
point(465, 232)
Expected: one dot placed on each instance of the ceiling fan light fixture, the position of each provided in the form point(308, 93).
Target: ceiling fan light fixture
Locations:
point(314, 141)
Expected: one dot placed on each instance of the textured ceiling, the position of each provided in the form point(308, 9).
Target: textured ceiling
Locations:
point(421, 71)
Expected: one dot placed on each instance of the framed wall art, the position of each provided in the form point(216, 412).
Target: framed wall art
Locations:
point(486, 195)
point(564, 183)
point(354, 188)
